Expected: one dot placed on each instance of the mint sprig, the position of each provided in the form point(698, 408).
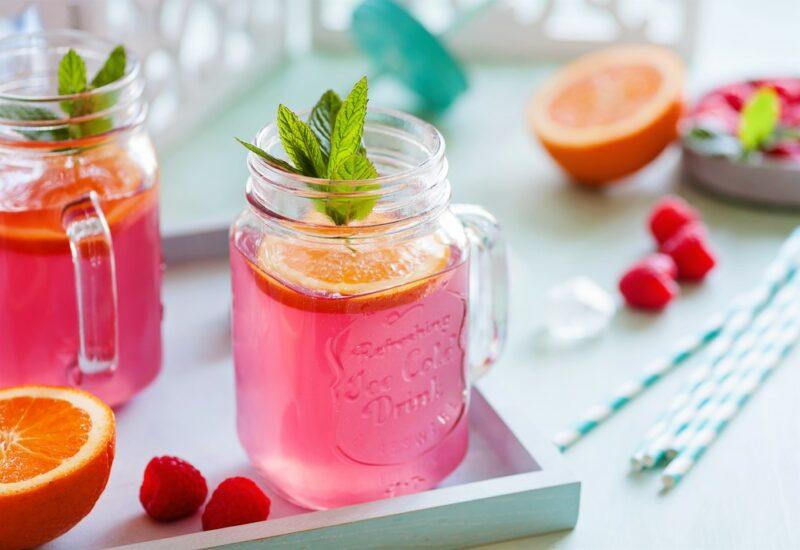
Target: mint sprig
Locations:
point(329, 146)
point(73, 80)
point(759, 119)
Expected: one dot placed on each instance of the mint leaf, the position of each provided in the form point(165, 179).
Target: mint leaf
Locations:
point(701, 133)
point(72, 80)
point(113, 69)
point(24, 113)
point(18, 112)
point(349, 126)
point(344, 210)
point(300, 143)
point(759, 119)
point(329, 146)
point(355, 167)
point(323, 118)
point(709, 142)
point(275, 162)
point(71, 74)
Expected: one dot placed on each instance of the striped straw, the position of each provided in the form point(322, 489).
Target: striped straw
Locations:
point(716, 371)
point(750, 362)
point(630, 390)
point(773, 279)
point(726, 405)
point(655, 444)
point(764, 328)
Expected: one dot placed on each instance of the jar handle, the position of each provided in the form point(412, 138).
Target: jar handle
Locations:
point(95, 283)
point(488, 311)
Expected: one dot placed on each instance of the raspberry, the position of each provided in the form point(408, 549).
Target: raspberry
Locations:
point(172, 489)
point(236, 501)
point(736, 95)
point(691, 252)
point(661, 262)
point(668, 215)
point(646, 287)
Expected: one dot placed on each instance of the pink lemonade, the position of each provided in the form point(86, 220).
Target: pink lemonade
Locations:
point(39, 319)
point(344, 399)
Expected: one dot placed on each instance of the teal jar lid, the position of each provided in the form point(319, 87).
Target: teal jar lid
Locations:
point(399, 45)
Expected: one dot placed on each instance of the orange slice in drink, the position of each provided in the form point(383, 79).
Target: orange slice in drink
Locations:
point(611, 112)
point(56, 450)
point(47, 186)
point(317, 275)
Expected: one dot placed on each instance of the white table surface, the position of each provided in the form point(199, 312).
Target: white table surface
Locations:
point(745, 493)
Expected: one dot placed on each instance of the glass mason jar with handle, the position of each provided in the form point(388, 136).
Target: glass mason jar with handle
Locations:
point(355, 345)
point(80, 256)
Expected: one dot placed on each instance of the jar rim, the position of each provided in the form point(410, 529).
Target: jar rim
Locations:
point(32, 40)
point(384, 185)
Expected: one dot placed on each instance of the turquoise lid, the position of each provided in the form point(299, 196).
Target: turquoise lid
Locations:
point(397, 44)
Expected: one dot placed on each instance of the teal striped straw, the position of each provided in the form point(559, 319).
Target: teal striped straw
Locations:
point(726, 404)
point(630, 390)
point(719, 366)
point(750, 362)
point(654, 446)
point(774, 278)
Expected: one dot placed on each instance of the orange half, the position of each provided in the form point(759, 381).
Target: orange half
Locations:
point(609, 113)
point(56, 450)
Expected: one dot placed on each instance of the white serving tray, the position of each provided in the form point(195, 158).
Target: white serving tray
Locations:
point(505, 488)
point(499, 492)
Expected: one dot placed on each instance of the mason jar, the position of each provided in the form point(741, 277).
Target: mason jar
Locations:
point(80, 255)
point(355, 343)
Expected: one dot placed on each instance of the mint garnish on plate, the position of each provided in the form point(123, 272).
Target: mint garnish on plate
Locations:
point(329, 146)
point(72, 80)
point(759, 120)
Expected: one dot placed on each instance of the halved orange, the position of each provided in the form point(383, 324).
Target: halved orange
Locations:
point(56, 450)
point(318, 275)
point(611, 112)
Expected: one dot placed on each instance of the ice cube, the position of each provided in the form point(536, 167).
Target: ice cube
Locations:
point(577, 309)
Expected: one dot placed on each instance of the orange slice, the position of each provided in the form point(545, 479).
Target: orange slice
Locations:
point(34, 216)
point(609, 113)
point(317, 276)
point(56, 450)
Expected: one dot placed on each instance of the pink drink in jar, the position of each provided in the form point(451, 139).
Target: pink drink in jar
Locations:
point(353, 345)
point(80, 253)
point(37, 290)
point(367, 395)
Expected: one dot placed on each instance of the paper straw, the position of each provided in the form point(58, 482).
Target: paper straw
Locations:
point(780, 270)
point(717, 369)
point(725, 406)
point(765, 329)
point(628, 391)
point(773, 279)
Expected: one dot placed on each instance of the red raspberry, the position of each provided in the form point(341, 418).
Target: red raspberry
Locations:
point(787, 150)
point(646, 287)
point(691, 252)
point(668, 215)
point(172, 489)
point(736, 94)
point(660, 262)
point(236, 501)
